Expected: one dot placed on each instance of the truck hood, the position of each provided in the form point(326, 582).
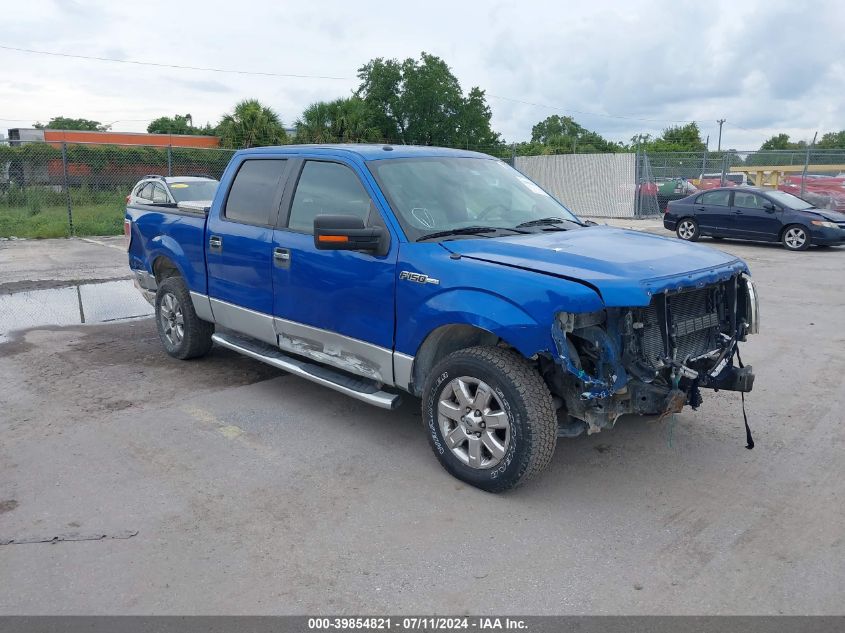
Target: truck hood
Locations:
point(625, 267)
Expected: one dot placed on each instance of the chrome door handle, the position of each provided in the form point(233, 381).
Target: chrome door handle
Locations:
point(281, 256)
point(215, 242)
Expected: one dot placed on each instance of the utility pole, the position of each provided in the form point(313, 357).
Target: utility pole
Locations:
point(719, 146)
point(806, 165)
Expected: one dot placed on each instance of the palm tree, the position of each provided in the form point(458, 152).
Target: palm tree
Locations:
point(314, 126)
point(342, 120)
point(354, 121)
point(251, 125)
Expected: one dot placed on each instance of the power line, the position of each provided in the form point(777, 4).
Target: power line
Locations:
point(600, 114)
point(47, 118)
point(744, 128)
point(302, 76)
point(177, 66)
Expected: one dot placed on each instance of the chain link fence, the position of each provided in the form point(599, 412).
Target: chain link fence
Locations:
point(55, 189)
point(816, 175)
point(64, 189)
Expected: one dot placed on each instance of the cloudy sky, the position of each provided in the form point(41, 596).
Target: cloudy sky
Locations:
point(619, 68)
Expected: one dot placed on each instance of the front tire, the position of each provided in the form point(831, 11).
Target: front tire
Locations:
point(688, 230)
point(490, 417)
point(795, 238)
point(183, 334)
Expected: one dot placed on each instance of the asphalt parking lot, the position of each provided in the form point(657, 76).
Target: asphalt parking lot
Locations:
point(253, 492)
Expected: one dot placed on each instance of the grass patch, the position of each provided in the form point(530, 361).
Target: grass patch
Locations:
point(42, 213)
point(92, 219)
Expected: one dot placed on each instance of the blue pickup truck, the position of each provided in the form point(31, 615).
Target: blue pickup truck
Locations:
point(376, 270)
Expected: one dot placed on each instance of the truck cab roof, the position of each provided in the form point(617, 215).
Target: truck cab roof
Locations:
point(366, 152)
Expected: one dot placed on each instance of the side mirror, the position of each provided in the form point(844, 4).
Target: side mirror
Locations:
point(589, 223)
point(768, 206)
point(347, 233)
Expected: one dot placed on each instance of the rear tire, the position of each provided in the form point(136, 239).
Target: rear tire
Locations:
point(183, 334)
point(490, 417)
point(795, 238)
point(688, 230)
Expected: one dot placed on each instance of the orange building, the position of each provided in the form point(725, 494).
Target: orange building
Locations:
point(29, 135)
point(114, 172)
point(130, 138)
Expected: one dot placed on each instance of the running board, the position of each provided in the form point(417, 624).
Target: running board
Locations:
point(354, 386)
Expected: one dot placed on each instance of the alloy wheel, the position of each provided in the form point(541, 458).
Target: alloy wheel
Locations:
point(172, 319)
point(686, 230)
point(473, 422)
point(795, 238)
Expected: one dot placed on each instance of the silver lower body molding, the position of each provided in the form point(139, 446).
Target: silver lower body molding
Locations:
point(353, 386)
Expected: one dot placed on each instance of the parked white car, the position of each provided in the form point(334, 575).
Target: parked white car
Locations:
point(154, 189)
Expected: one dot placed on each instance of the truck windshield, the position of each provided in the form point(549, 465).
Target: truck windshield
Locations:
point(441, 194)
point(188, 191)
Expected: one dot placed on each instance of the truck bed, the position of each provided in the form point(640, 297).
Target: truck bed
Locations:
point(177, 233)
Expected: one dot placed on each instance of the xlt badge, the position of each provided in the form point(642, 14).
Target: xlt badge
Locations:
point(418, 277)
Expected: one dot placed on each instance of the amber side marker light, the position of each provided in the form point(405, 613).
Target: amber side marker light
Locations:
point(333, 238)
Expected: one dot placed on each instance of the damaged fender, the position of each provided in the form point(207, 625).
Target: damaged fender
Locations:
point(612, 376)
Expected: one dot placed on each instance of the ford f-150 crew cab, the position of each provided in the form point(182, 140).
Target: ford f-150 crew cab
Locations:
point(377, 270)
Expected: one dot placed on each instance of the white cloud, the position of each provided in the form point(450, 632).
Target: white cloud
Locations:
point(764, 66)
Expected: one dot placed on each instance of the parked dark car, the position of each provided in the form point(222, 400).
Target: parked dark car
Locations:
point(755, 213)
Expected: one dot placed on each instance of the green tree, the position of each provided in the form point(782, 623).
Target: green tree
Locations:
point(781, 141)
point(832, 140)
point(65, 123)
point(564, 135)
point(178, 124)
point(421, 102)
point(251, 124)
point(474, 121)
point(775, 151)
point(680, 138)
point(344, 120)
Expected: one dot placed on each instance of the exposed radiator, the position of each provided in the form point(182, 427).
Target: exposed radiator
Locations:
point(693, 326)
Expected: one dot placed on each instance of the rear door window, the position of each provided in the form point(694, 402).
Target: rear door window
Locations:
point(253, 198)
point(327, 189)
point(160, 194)
point(715, 199)
point(747, 200)
point(145, 191)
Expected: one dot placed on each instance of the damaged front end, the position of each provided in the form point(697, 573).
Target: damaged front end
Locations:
point(652, 360)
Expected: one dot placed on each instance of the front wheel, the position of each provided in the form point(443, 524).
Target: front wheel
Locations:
point(688, 230)
point(183, 334)
point(795, 238)
point(490, 417)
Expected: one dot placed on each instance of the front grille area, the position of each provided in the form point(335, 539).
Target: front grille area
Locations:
point(693, 326)
point(652, 339)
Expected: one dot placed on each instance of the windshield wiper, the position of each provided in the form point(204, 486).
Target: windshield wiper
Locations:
point(547, 222)
point(467, 230)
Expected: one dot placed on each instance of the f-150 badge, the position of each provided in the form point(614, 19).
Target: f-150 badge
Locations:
point(418, 277)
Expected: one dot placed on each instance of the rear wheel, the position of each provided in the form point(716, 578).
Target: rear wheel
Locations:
point(688, 230)
point(183, 334)
point(490, 417)
point(795, 238)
